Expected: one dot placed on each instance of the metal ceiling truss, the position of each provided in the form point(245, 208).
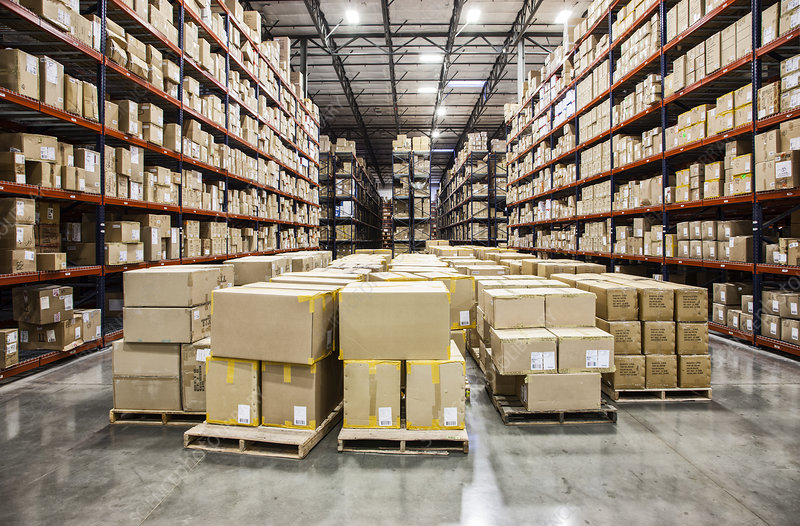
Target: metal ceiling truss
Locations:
point(324, 32)
point(387, 29)
point(443, 76)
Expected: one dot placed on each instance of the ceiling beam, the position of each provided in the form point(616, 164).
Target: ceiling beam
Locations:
point(387, 29)
point(324, 32)
point(451, 39)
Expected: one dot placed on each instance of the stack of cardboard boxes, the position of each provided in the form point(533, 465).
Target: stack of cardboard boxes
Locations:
point(167, 321)
point(47, 319)
point(733, 307)
point(780, 318)
point(715, 240)
point(777, 159)
point(9, 348)
point(17, 239)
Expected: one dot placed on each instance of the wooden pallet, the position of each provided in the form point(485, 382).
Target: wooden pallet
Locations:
point(404, 441)
point(259, 441)
point(658, 395)
point(476, 355)
point(513, 413)
point(155, 418)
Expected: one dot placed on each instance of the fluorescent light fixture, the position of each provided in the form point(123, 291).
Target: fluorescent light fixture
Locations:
point(431, 57)
point(441, 111)
point(563, 16)
point(473, 15)
point(466, 83)
point(427, 89)
point(436, 133)
point(351, 15)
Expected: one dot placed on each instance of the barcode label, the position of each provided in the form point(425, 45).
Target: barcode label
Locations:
point(450, 416)
point(543, 361)
point(51, 336)
point(44, 302)
point(68, 302)
point(243, 416)
point(202, 354)
point(300, 415)
point(597, 358)
point(384, 416)
point(463, 317)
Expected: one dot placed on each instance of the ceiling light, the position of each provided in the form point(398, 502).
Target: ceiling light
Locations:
point(563, 16)
point(473, 15)
point(466, 83)
point(436, 133)
point(441, 111)
point(351, 15)
point(427, 89)
point(431, 57)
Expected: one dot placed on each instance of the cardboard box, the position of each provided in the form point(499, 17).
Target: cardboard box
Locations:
point(790, 331)
point(92, 328)
point(372, 394)
point(614, 301)
point(59, 336)
point(167, 324)
point(568, 307)
point(193, 374)
point(656, 302)
point(524, 351)
point(303, 333)
point(180, 286)
point(147, 393)
point(658, 337)
point(741, 249)
point(145, 359)
point(9, 348)
point(691, 337)
point(694, 371)
point(17, 260)
point(51, 261)
point(584, 349)
point(19, 72)
point(232, 396)
point(627, 335)
point(771, 326)
point(434, 392)
point(300, 396)
point(629, 372)
point(42, 304)
point(661, 371)
point(367, 332)
point(560, 392)
point(253, 269)
point(731, 293)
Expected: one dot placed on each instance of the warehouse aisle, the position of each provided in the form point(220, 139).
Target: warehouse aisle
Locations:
point(734, 461)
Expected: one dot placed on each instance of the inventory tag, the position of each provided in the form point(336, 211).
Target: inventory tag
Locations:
point(464, 317)
point(31, 65)
point(749, 325)
point(735, 320)
point(450, 416)
point(775, 306)
point(44, 302)
point(202, 354)
point(123, 256)
point(51, 336)
point(51, 71)
point(300, 415)
point(196, 314)
point(20, 208)
point(68, 302)
point(243, 416)
point(47, 153)
point(154, 237)
point(597, 358)
point(11, 348)
point(783, 169)
point(20, 235)
point(11, 337)
point(78, 332)
point(794, 333)
point(750, 307)
point(773, 328)
point(86, 317)
point(23, 336)
point(384, 416)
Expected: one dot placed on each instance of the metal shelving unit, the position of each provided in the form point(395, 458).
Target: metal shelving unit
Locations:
point(411, 200)
point(767, 210)
point(25, 30)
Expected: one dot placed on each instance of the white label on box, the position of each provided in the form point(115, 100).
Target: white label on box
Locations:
point(11, 348)
point(135, 235)
point(57, 317)
point(154, 239)
point(750, 307)
point(196, 314)
point(783, 169)
point(134, 155)
point(57, 182)
point(97, 332)
point(730, 243)
point(68, 302)
point(543, 361)
point(794, 20)
point(20, 235)
point(123, 256)
point(88, 162)
point(450, 416)
point(597, 358)
point(11, 337)
point(685, 250)
point(44, 303)
point(794, 143)
point(31, 65)
point(20, 208)
point(85, 317)
point(711, 251)
point(749, 324)
point(81, 184)
point(384, 416)
point(51, 336)
point(476, 272)
point(794, 333)
point(243, 414)
point(775, 307)
point(735, 320)
point(21, 178)
point(300, 415)
point(23, 336)
point(721, 315)
point(78, 332)
point(773, 328)
point(51, 71)
point(463, 317)
point(64, 18)
point(47, 153)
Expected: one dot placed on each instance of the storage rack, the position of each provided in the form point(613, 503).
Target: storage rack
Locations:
point(25, 30)
point(765, 209)
point(410, 169)
point(351, 203)
point(458, 202)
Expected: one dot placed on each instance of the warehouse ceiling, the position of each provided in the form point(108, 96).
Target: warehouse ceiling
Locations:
point(397, 49)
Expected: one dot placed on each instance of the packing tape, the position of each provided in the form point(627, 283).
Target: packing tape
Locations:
point(287, 424)
point(313, 368)
point(435, 373)
point(287, 373)
point(229, 374)
point(212, 302)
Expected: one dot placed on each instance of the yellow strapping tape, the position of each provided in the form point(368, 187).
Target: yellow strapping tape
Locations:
point(229, 374)
point(373, 420)
point(373, 367)
point(287, 373)
point(313, 368)
point(435, 373)
point(212, 302)
point(309, 299)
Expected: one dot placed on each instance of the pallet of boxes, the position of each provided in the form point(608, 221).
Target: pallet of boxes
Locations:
point(273, 382)
point(660, 338)
point(404, 377)
point(543, 354)
point(159, 366)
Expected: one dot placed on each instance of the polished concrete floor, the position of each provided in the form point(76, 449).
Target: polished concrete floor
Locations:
point(735, 460)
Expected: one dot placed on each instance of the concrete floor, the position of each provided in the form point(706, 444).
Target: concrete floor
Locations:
point(735, 460)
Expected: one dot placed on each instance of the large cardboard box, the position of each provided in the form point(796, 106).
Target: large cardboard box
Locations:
point(770, 326)
point(151, 393)
point(302, 333)
point(193, 374)
point(19, 72)
point(253, 269)
point(518, 308)
point(661, 371)
point(656, 302)
point(178, 286)
point(167, 324)
point(565, 307)
point(300, 396)
point(9, 348)
point(394, 321)
point(694, 371)
point(462, 298)
point(691, 337)
point(524, 351)
point(614, 301)
point(145, 359)
point(629, 372)
point(372, 393)
point(658, 337)
point(232, 395)
point(435, 394)
point(584, 349)
point(627, 335)
point(560, 392)
point(41, 304)
point(500, 384)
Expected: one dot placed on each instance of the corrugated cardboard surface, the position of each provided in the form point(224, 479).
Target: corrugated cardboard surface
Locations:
point(584, 349)
point(372, 393)
point(692, 337)
point(661, 371)
point(145, 359)
point(435, 392)
point(694, 371)
point(627, 335)
point(148, 393)
point(614, 301)
point(629, 374)
point(169, 286)
point(232, 391)
point(507, 309)
point(560, 392)
point(193, 374)
point(524, 351)
point(167, 324)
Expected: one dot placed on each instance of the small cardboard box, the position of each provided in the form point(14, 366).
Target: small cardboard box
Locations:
point(9, 348)
point(691, 337)
point(584, 349)
point(59, 336)
point(51, 261)
point(232, 396)
point(627, 335)
point(300, 396)
point(731, 293)
point(658, 337)
point(92, 329)
point(790, 331)
point(167, 324)
point(19, 72)
point(17, 260)
point(771, 326)
point(614, 301)
point(560, 392)
point(694, 371)
point(629, 372)
point(661, 371)
point(42, 304)
point(435, 392)
point(656, 302)
point(193, 374)
point(17, 211)
point(372, 393)
point(184, 286)
point(524, 351)
point(500, 384)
